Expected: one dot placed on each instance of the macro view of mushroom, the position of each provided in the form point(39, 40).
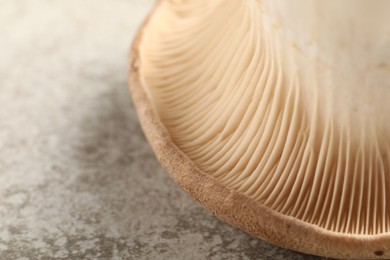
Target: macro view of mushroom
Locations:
point(285, 103)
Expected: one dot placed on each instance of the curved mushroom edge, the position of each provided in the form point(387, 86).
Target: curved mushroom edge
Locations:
point(235, 208)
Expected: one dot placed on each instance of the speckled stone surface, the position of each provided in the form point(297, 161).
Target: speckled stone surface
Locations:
point(77, 178)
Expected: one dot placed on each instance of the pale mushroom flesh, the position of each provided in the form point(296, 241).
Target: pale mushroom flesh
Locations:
point(285, 102)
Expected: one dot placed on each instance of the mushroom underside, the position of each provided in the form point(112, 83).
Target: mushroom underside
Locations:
point(284, 108)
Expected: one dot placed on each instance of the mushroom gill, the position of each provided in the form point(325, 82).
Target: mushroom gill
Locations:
point(285, 102)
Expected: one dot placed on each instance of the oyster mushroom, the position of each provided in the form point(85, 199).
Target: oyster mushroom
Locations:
point(274, 115)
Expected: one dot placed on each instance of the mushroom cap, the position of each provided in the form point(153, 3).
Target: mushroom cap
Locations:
point(249, 209)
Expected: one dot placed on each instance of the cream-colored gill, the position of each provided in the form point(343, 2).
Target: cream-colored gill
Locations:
point(286, 102)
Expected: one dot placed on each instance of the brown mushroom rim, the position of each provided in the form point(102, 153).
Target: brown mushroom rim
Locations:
point(298, 124)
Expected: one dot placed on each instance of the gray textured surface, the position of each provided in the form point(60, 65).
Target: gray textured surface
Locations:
point(77, 178)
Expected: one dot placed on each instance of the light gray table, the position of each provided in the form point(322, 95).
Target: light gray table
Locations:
point(77, 178)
